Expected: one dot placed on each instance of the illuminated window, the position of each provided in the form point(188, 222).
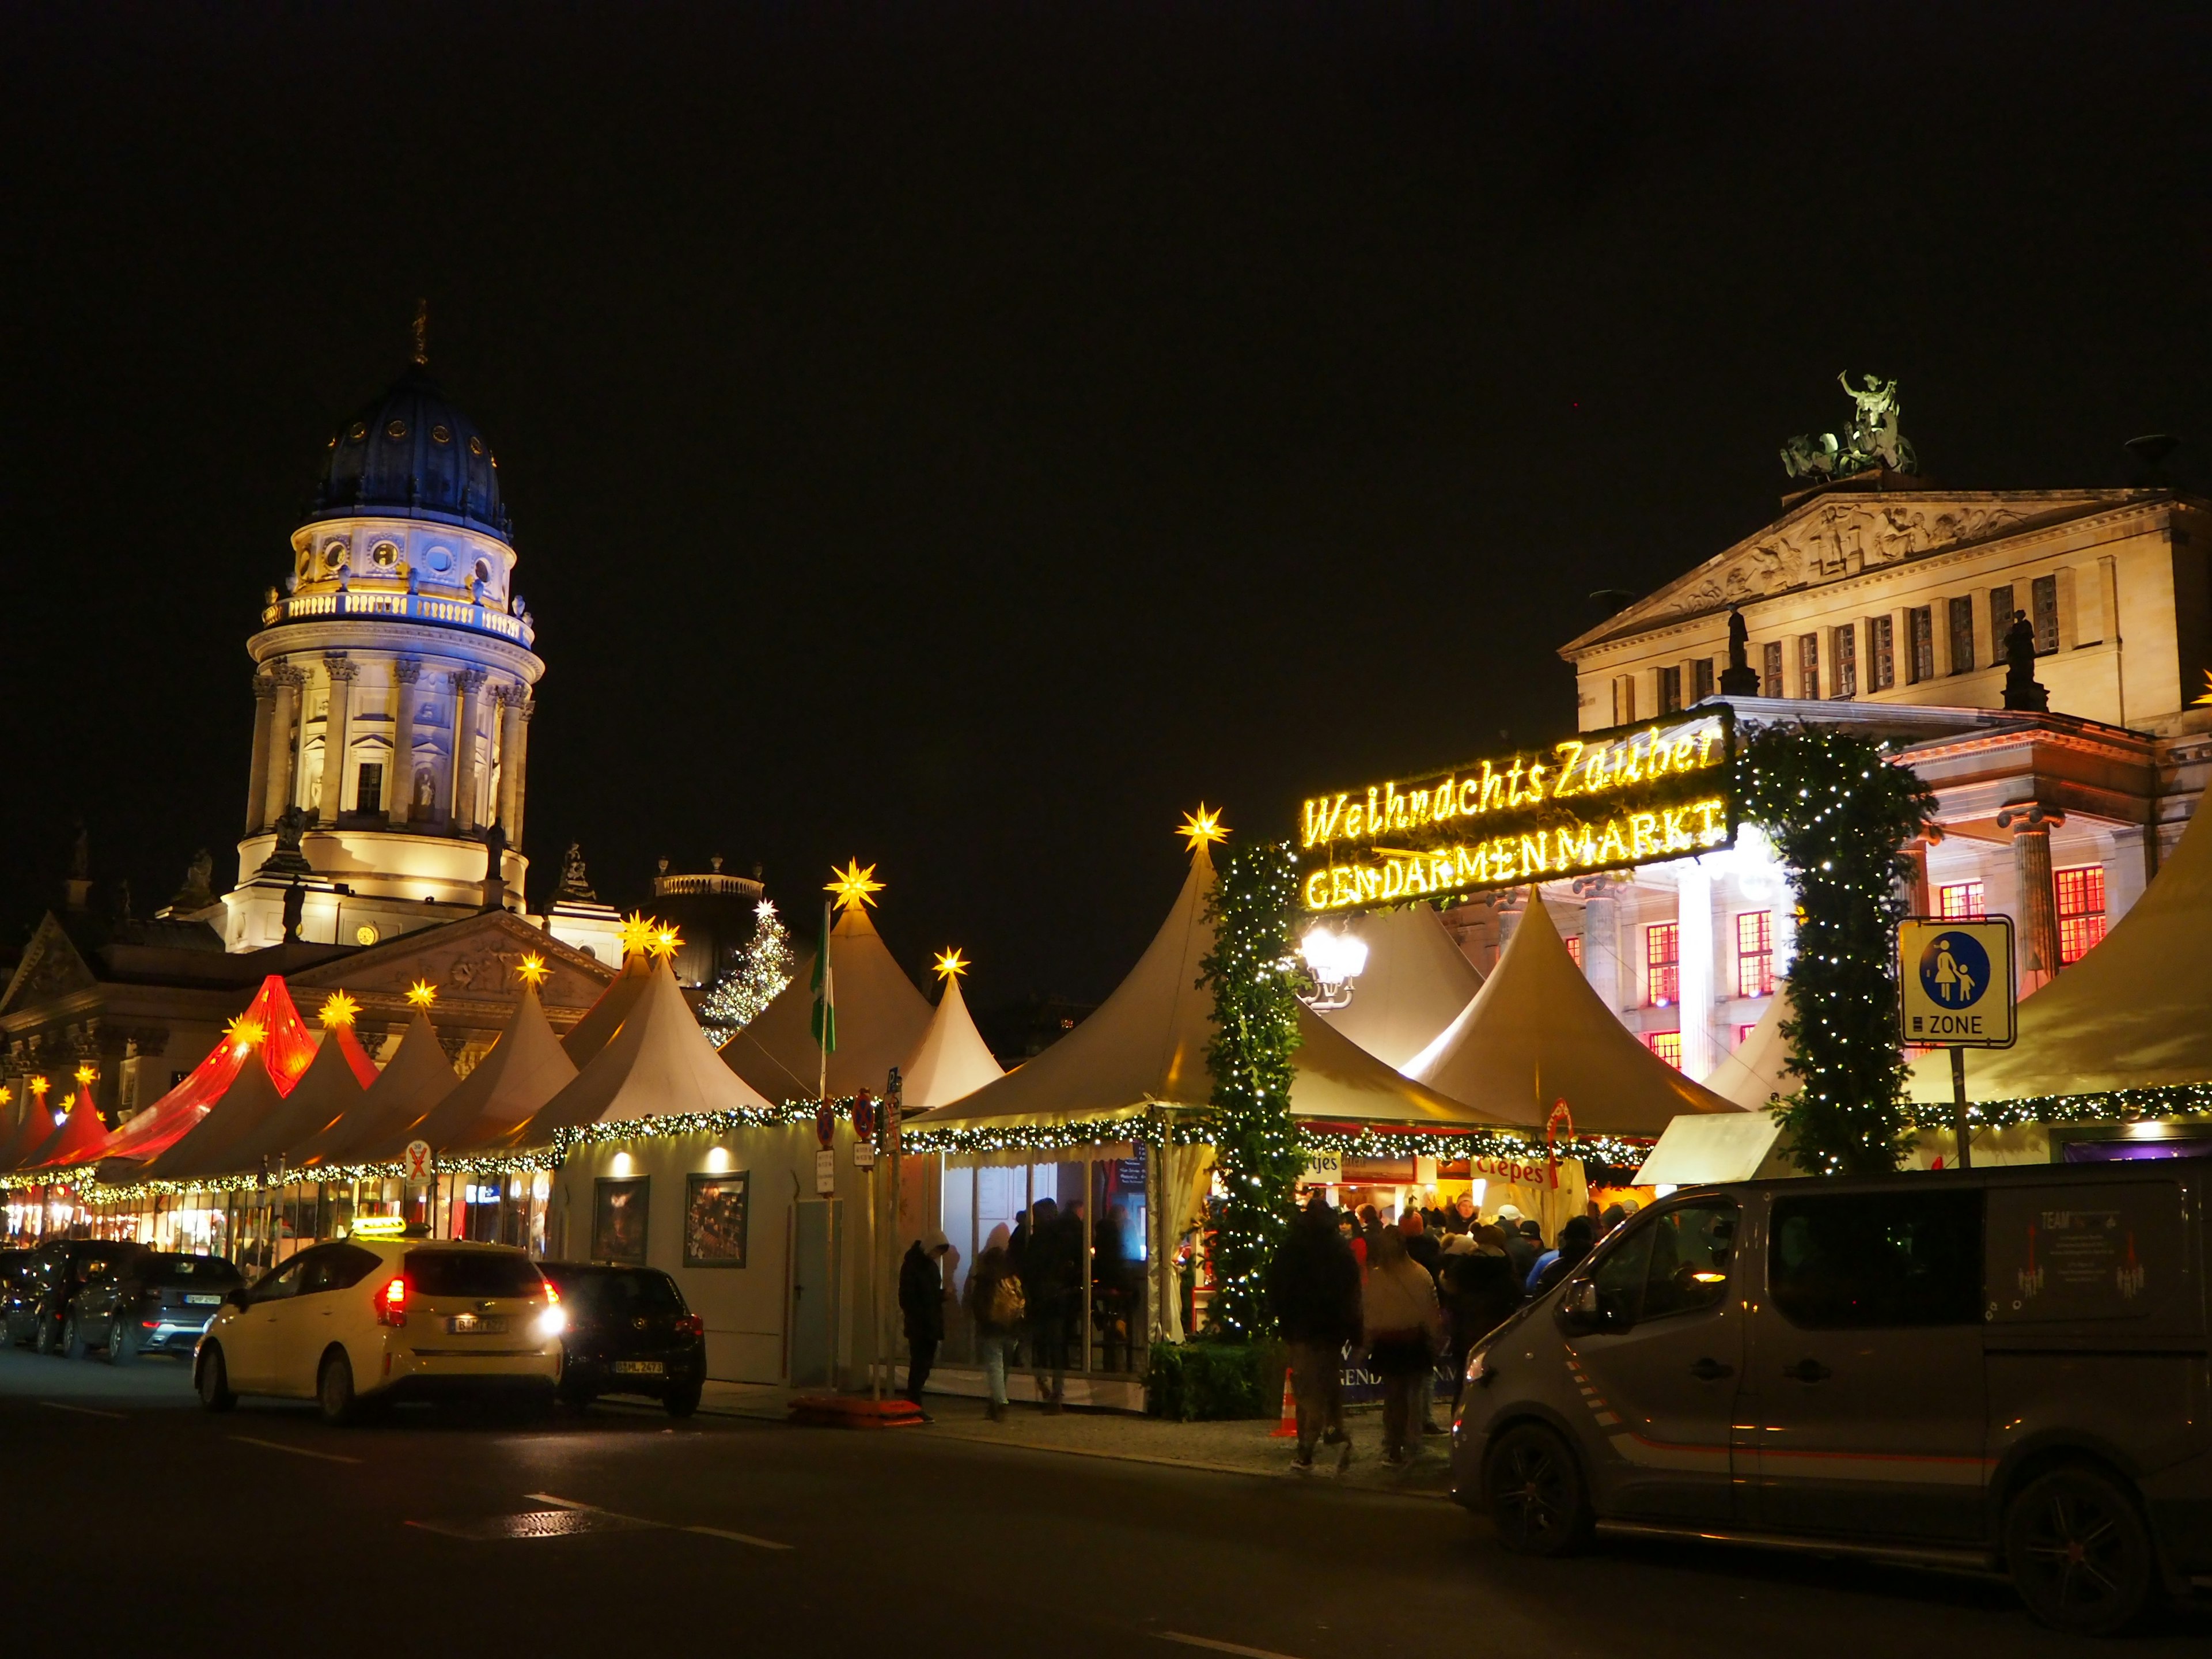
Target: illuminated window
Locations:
point(1662, 963)
point(1770, 681)
point(1743, 1034)
point(1575, 948)
point(1881, 654)
point(1962, 637)
point(1808, 665)
point(2081, 911)
point(1961, 901)
point(1668, 1045)
point(1754, 953)
point(1847, 661)
point(1920, 643)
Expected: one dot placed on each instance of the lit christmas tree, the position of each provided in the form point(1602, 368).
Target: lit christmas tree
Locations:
point(736, 998)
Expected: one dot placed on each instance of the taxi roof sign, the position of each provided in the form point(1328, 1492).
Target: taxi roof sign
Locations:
point(1955, 986)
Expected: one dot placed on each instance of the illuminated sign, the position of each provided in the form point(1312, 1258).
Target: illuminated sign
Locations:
point(1607, 800)
point(380, 1226)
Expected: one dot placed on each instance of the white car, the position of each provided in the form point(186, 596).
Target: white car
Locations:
point(367, 1320)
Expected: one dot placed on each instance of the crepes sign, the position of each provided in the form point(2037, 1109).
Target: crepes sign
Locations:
point(1607, 800)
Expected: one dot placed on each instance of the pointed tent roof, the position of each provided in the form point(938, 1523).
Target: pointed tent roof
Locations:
point(418, 1078)
point(325, 1090)
point(1416, 980)
point(526, 1067)
point(78, 1140)
point(660, 1065)
point(1759, 1067)
point(1147, 1043)
point(605, 1016)
point(357, 1057)
point(204, 1150)
point(2129, 1015)
point(951, 1060)
point(880, 1019)
point(285, 1051)
point(1537, 1033)
point(24, 1137)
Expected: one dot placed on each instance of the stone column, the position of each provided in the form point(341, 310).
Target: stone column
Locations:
point(517, 761)
point(257, 777)
point(337, 729)
point(288, 681)
point(1601, 938)
point(1509, 905)
point(509, 701)
point(2031, 827)
point(1693, 915)
point(400, 800)
point(467, 683)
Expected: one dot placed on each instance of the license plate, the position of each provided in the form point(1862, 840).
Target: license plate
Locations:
point(476, 1325)
point(637, 1367)
point(192, 1301)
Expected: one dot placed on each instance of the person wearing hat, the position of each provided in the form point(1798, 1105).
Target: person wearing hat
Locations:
point(921, 1305)
point(1520, 1250)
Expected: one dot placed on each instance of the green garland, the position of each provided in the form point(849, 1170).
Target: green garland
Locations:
point(1840, 813)
point(2115, 1106)
point(1252, 971)
point(1451, 1145)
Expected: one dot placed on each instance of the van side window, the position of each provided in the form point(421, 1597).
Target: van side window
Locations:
point(1876, 1261)
point(1678, 1262)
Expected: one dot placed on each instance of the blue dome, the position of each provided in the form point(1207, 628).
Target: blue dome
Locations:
point(412, 454)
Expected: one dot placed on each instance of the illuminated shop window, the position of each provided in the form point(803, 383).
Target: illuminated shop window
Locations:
point(2081, 911)
point(1754, 953)
point(1575, 948)
point(1668, 1045)
point(1961, 901)
point(1662, 963)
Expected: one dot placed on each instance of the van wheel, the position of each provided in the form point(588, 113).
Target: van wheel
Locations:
point(1533, 1488)
point(72, 1339)
point(334, 1391)
point(2081, 1556)
point(214, 1381)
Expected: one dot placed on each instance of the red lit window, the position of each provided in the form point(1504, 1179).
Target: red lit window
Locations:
point(1962, 901)
point(1743, 1034)
point(1754, 953)
point(1575, 948)
point(1668, 1045)
point(1662, 960)
point(2081, 911)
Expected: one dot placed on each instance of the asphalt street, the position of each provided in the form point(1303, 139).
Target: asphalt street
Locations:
point(134, 1516)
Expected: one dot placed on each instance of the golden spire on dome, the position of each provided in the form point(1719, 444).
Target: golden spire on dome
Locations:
point(853, 885)
point(422, 994)
point(1202, 826)
point(338, 1012)
point(951, 964)
point(531, 970)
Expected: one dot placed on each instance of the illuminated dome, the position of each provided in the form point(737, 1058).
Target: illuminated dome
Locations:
point(411, 453)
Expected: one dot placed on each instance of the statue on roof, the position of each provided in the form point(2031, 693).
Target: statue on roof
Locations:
point(1872, 439)
point(574, 884)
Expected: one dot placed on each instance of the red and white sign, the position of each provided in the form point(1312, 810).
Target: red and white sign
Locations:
point(417, 1156)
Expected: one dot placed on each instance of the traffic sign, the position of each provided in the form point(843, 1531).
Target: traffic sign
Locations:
point(825, 1123)
point(1954, 982)
point(864, 1155)
point(418, 1160)
point(864, 1115)
point(825, 1172)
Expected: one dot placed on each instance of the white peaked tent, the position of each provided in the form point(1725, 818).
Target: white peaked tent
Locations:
point(204, 1150)
point(1537, 1033)
point(880, 1019)
point(1758, 1068)
point(526, 1067)
point(325, 1091)
point(951, 1061)
point(658, 1064)
point(604, 1017)
point(417, 1077)
point(1416, 980)
point(2131, 1014)
point(1147, 1043)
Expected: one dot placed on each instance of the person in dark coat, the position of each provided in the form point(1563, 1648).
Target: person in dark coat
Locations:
point(921, 1305)
point(1520, 1250)
point(1313, 1292)
point(1479, 1293)
point(1575, 1241)
point(1049, 1264)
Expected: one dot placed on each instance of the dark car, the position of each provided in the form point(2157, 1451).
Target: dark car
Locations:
point(629, 1332)
point(38, 1304)
point(157, 1303)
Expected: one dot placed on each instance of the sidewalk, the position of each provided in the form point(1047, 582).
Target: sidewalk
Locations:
point(1243, 1447)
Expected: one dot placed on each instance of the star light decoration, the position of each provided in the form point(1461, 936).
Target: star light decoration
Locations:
point(87, 1074)
point(422, 995)
point(39, 1086)
point(338, 1012)
point(951, 964)
point(763, 910)
point(664, 943)
point(1202, 827)
point(7, 1093)
point(636, 934)
point(531, 970)
point(245, 1035)
point(853, 885)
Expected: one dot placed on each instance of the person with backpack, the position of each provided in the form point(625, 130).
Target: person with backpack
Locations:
point(996, 1307)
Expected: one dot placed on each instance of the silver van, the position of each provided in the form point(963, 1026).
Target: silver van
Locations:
point(2004, 1368)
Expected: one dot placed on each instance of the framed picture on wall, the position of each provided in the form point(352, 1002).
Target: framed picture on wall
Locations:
point(714, 1219)
point(618, 1220)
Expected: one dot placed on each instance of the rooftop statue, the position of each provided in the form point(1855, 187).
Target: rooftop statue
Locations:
point(1871, 439)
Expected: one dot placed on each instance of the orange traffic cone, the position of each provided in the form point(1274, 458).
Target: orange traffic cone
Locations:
point(1288, 1428)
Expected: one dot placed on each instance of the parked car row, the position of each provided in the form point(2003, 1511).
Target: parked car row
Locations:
point(362, 1322)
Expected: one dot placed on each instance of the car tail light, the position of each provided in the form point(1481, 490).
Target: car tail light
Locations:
point(690, 1324)
point(391, 1303)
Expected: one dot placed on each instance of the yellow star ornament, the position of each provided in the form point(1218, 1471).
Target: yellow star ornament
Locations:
point(87, 1074)
point(636, 934)
point(531, 970)
point(422, 994)
point(245, 1033)
point(951, 964)
point(1202, 827)
point(338, 1012)
point(853, 885)
point(39, 1086)
point(665, 942)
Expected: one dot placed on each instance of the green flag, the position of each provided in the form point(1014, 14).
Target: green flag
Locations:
point(825, 992)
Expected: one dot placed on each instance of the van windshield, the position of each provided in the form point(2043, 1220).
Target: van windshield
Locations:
point(472, 1273)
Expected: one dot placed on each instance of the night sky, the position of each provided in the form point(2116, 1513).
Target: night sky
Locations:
point(966, 436)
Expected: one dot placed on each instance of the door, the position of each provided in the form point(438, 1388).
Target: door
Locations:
point(249, 1340)
point(1659, 1376)
point(812, 1320)
point(1866, 1365)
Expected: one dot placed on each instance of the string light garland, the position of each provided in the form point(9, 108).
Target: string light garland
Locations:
point(2178, 1100)
point(1840, 813)
point(1452, 1146)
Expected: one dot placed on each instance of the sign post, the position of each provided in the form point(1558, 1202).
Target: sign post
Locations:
point(1955, 989)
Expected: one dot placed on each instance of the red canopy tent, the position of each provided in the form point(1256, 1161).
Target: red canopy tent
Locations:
point(79, 1140)
point(31, 1136)
point(271, 1027)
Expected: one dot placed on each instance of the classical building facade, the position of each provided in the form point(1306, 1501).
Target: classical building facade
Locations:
point(1879, 605)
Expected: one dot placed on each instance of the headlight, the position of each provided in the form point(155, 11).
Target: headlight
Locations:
point(552, 1322)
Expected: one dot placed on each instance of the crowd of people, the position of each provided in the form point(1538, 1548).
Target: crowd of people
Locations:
point(1399, 1292)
